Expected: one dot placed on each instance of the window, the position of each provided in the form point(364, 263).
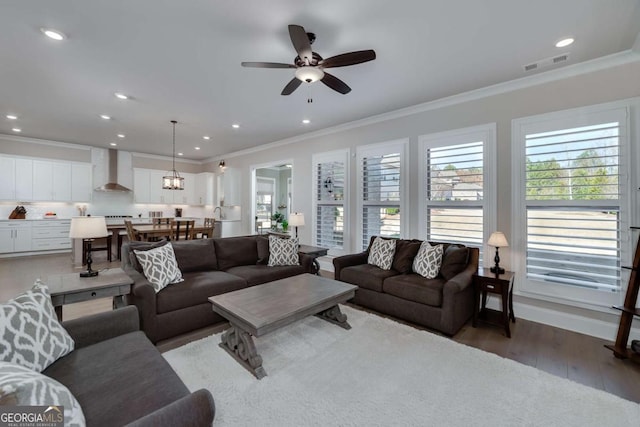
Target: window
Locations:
point(265, 191)
point(458, 186)
point(329, 186)
point(381, 183)
point(572, 166)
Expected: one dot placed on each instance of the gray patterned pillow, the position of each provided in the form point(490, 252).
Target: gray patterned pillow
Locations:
point(28, 388)
point(30, 334)
point(283, 251)
point(159, 266)
point(427, 262)
point(382, 252)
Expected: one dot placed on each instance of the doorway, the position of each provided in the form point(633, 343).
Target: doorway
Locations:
point(271, 196)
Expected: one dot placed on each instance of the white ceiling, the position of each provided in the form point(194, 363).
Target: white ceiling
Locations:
point(181, 60)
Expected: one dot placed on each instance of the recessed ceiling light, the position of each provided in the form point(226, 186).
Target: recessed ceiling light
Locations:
point(105, 117)
point(121, 95)
point(197, 148)
point(12, 117)
point(121, 135)
point(306, 121)
point(18, 130)
point(206, 137)
point(113, 144)
point(235, 126)
point(564, 42)
point(180, 154)
point(53, 34)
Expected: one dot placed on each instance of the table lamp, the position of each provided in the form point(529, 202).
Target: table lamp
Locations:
point(498, 240)
point(296, 220)
point(88, 228)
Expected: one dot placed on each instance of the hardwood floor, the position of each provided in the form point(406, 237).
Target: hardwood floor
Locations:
point(580, 358)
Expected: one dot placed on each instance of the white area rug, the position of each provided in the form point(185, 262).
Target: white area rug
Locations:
point(382, 373)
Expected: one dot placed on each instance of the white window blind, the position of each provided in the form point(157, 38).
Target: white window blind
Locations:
point(572, 195)
point(381, 188)
point(329, 199)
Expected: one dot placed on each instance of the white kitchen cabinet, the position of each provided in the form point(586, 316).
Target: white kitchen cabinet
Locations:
point(16, 175)
point(204, 189)
point(61, 179)
point(231, 185)
point(51, 181)
point(81, 182)
point(50, 234)
point(141, 185)
point(15, 236)
point(186, 196)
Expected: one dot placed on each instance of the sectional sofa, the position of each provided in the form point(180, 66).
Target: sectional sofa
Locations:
point(209, 267)
point(444, 303)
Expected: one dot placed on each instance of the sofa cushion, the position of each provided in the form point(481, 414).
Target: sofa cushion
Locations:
point(196, 288)
point(406, 251)
point(232, 251)
point(29, 388)
point(427, 261)
point(413, 287)
point(142, 246)
point(195, 255)
point(381, 253)
point(283, 252)
point(159, 266)
point(127, 368)
point(366, 276)
point(454, 260)
point(31, 334)
point(258, 274)
point(263, 250)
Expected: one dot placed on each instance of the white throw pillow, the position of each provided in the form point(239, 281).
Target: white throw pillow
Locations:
point(27, 388)
point(30, 333)
point(428, 260)
point(159, 266)
point(382, 252)
point(283, 251)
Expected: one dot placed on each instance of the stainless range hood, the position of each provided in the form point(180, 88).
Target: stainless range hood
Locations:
point(112, 175)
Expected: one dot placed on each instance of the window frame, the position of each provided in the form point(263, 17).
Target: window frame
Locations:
point(486, 133)
point(344, 156)
point(620, 112)
point(400, 146)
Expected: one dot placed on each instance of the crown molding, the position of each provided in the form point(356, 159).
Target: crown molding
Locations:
point(602, 63)
point(167, 158)
point(15, 138)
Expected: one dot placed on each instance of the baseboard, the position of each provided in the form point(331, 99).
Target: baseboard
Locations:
point(31, 253)
point(572, 322)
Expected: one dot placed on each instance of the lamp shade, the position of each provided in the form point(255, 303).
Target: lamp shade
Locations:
point(296, 219)
point(88, 227)
point(309, 74)
point(498, 240)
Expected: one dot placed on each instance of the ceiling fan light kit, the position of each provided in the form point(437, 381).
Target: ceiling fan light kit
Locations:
point(309, 65)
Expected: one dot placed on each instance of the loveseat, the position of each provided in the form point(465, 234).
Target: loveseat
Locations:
point(444, 303)
point(120, 378)
point(209, 267)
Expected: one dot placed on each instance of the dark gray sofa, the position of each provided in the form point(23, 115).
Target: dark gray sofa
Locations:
point(120, 378)
point(444, 303)
point(209, 267)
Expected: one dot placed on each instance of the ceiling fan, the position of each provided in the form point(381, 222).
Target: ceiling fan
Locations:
point(310, 66)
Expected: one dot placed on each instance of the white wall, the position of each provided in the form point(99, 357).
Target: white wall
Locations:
point(597, 82)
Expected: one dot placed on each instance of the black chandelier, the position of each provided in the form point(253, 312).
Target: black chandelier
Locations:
point(172, 180)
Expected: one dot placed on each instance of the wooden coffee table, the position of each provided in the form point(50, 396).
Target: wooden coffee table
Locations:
point(261, 309)
point(71, 288)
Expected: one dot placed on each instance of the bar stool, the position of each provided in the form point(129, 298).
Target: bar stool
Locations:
point(107, 247)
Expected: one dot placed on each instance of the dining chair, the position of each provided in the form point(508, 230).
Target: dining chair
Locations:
point(161, 221)
point(182, 230)
point(207, 233)
point(131, 233)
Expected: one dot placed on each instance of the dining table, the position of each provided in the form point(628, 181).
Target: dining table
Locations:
point(148, 231)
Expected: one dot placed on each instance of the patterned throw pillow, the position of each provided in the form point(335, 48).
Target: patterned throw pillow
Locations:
point(28, 388)
point(283, 251)
point(381, 253)
point(427, 262)
point(30, 333)
point(159, 266)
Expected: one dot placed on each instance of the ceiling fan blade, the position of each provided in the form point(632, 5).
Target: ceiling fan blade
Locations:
point(335, 83)
point(350, 58)
point(291, 86)
point(266, 65)
point(300, 41)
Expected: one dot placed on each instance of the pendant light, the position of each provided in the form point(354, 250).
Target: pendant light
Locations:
point(172, 180)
